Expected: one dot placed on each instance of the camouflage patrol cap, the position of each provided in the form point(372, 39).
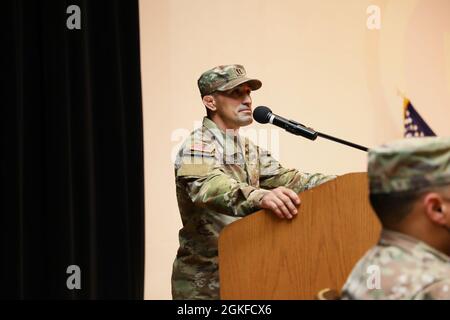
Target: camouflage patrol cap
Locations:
point(223, 78)
point(409, 165)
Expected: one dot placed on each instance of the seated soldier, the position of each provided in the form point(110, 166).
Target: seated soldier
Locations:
point(410, 193)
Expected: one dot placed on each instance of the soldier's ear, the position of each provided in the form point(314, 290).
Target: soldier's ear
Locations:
point(210, 102)
point(435, 208)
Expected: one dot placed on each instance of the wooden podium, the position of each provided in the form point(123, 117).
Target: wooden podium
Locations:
point(264, 257)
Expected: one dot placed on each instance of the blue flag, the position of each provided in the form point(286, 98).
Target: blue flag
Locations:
point(415, 126)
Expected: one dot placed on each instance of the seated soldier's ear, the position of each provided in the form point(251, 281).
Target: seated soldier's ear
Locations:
point(435, 209)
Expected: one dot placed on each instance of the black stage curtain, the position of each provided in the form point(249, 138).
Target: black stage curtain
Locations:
point(71, 151)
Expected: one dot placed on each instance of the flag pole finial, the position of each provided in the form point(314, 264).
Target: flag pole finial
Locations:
point(401, 94)
point(405, 99)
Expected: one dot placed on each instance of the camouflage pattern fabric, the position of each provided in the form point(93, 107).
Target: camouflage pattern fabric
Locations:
point(409, 269)
point(223, 78)
point(219, 179)
point(409, 165)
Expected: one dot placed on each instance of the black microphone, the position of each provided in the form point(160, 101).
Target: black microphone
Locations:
point(264, 115)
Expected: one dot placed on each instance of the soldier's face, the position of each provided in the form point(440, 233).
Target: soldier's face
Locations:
point(234, 107)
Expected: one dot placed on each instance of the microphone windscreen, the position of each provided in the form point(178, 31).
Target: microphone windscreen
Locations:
point(262, 114)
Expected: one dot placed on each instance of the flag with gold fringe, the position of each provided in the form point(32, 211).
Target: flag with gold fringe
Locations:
point(414, 124)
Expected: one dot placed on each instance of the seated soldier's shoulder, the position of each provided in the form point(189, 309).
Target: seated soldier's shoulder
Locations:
point(402, 275)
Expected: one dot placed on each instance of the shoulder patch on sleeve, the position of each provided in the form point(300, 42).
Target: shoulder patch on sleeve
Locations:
point(200, 170)
point(201, 147)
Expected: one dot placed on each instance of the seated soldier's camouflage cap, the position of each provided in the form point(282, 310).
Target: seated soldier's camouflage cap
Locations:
point(409, 165)
point(223, 78)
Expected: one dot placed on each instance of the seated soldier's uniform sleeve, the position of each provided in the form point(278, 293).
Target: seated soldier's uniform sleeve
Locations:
point(273, 175)
point(209, 186)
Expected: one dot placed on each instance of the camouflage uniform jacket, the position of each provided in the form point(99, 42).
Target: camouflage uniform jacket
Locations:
point(408, 269)
point(219, 179)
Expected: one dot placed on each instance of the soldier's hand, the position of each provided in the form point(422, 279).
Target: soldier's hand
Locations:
point(281, 201)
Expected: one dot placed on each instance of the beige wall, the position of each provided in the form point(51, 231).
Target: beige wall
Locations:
point(319, 64)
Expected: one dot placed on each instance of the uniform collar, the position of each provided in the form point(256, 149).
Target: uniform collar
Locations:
point(226, 140)
point(408, 243)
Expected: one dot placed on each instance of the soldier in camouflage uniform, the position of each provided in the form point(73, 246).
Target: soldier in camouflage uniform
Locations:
point(221, 177)
point(410, 193)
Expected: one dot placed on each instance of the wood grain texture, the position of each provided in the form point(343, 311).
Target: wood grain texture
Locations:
point(264, 257)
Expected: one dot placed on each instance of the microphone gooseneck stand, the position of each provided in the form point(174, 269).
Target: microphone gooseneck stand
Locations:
point(263, 114)
point(311, 134)
point(347, 143)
